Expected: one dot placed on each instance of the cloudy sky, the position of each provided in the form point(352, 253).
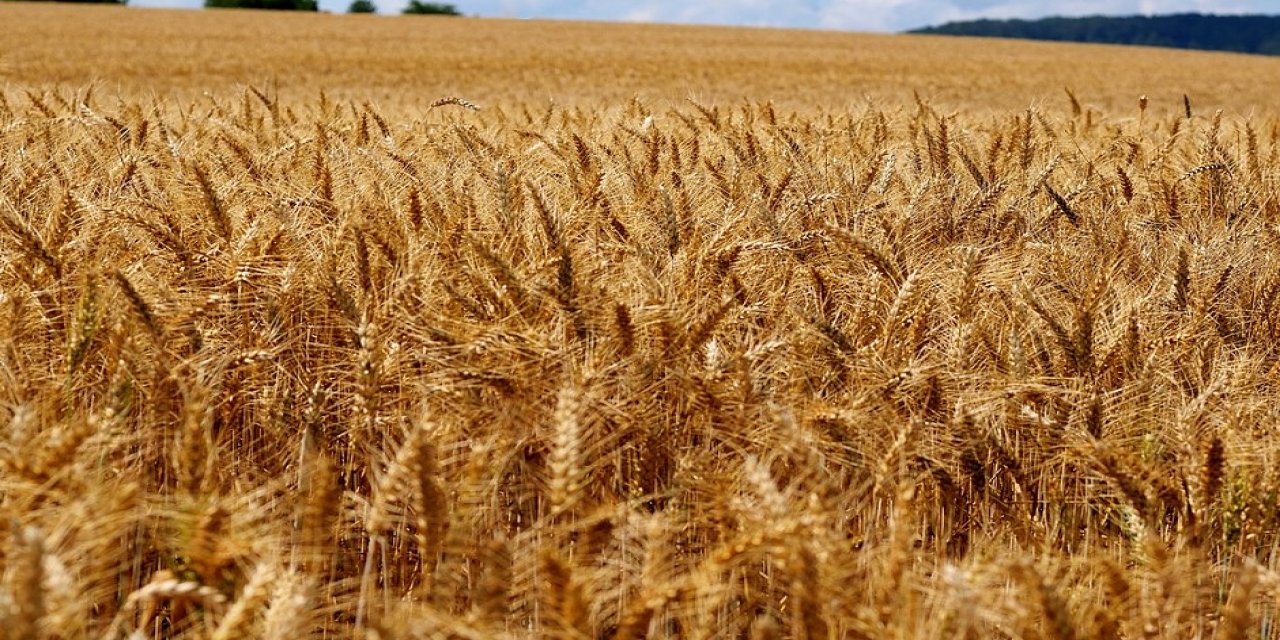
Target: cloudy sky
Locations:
point(858, 15)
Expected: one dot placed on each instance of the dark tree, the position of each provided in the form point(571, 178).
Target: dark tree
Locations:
point(1243, 34)
point(279, 5)
point(417, 7)
point(362, 6)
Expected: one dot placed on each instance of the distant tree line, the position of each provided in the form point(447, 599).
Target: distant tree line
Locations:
point(415, 7)
point(278, 5)
point(430, 8)
point(1244, 34)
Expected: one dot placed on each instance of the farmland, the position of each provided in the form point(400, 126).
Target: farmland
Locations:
point(357, 326)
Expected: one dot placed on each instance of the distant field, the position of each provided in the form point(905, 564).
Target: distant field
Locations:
point(323, 326)
point(400, 61)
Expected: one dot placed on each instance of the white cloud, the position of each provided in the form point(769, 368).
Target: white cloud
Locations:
point(642, 14)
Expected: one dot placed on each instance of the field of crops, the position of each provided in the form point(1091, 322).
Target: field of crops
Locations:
point(356, 326)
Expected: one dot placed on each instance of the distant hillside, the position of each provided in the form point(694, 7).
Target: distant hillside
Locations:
point(1244, 34)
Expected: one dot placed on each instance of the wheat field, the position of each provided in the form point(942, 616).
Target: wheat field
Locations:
point(364, 327)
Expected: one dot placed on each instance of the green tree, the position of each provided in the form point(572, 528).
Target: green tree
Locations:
point(1246, 33)
point(417, 7)
point(280, 5)
point(362, 6)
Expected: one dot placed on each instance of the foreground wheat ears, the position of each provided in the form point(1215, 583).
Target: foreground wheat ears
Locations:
point(302, 370)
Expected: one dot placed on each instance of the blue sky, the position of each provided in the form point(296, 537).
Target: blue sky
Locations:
point(858, 15)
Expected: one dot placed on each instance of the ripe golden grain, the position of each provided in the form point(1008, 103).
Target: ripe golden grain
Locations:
point(332, 358)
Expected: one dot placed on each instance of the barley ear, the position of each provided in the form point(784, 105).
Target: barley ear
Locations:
point(139, 305)
point(566, 604)
point(765, 627)
point(565, 465)
point(213, 203)
point(25, 583)
point(808, 622)
point(240, 616)
point(1236, 619)
point(493, 591)
point(1212, 471)
point(204, 552)
point(289, 611)
point(1058, 623)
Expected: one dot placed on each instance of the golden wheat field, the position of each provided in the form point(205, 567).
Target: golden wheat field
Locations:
point(364, 327)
